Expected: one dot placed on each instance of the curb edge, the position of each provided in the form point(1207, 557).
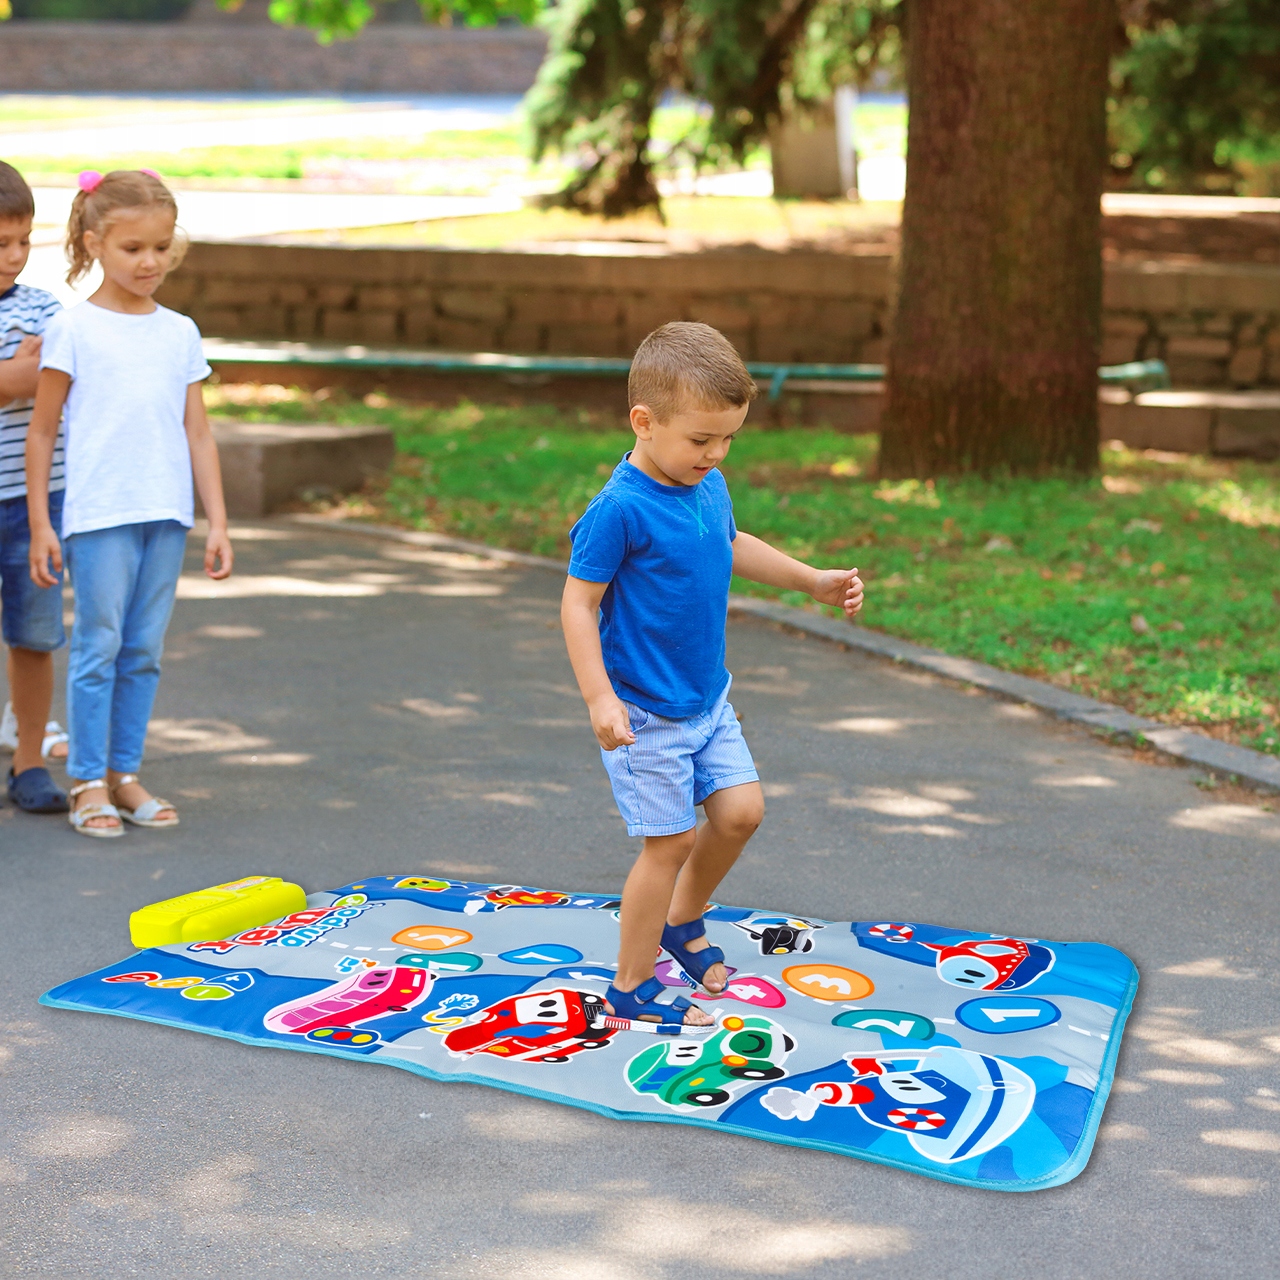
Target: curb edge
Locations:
point(1188, 745)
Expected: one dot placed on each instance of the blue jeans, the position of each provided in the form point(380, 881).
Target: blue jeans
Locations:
point(125, 579)
point(31, 615)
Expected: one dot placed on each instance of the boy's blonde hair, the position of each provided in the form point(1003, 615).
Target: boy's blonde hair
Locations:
point(16, 200)
point(688, 365)
point(120, 191)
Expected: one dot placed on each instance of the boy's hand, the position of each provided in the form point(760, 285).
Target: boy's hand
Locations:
point(218, 556)
point(20, 372)
point(44, 551)
point(841, 587)
point(610, 723)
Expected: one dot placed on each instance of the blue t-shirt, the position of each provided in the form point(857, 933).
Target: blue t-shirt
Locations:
point(666, 552)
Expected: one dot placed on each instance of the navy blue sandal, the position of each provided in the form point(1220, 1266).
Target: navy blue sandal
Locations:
point(34, 791)
point(694, 963)
point(641, 1005)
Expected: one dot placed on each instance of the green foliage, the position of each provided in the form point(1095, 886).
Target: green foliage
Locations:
point(291, 160)
point(608, 63)
point(1195, 103)
point(849, 43)
point(331, 19)
point(1154, 588)
point(481, 13)
point(342, 19)
point(1194, 106)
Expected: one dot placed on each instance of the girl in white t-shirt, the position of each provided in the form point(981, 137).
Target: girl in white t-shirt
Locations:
point(126, 373)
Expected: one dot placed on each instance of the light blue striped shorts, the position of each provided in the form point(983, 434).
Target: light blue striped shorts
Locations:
point(674, 765)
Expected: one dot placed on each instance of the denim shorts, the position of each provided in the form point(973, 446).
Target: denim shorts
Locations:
point(31, 616)
point(674, 765)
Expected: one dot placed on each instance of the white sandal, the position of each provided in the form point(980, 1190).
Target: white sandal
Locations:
point(54, 734)
point(145, 814)
point(78, 817)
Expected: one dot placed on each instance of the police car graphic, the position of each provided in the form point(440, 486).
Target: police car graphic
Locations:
point(779, 935)
point(950, 1104)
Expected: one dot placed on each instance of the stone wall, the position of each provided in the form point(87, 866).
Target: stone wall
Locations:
point(793, 306)
point(1216, 325)
point(184, 57)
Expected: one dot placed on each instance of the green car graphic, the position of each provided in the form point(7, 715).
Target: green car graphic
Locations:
point(686, 1074)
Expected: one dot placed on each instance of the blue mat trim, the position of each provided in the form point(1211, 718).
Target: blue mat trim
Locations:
point(939, 1070)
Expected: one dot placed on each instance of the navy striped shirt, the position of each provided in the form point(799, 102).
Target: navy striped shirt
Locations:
point(23, 311)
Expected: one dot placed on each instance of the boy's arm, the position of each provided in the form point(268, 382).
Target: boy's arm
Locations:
point(20, 372)
point(580, 618)
point(42, 437)
point(218, 556)
point(760, 562)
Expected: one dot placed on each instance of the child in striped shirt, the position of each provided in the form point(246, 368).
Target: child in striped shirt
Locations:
point(30, 616)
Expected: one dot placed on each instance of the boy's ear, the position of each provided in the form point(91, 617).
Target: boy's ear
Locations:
point(642, 421)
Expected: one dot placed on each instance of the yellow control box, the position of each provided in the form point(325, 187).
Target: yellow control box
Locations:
point(217, 912)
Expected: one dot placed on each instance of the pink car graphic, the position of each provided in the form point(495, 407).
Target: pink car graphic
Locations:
point(372, 993)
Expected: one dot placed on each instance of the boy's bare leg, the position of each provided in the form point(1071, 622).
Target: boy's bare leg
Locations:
point(31, 692)
point(732, 818)
point(645, 899)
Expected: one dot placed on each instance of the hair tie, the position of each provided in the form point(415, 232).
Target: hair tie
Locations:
point(89, 181)
point(151, 173)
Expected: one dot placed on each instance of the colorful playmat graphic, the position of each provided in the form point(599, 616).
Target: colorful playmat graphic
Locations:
point(973, 1058)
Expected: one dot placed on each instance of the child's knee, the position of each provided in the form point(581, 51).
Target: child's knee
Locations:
point(675, 848)
point(739, 820)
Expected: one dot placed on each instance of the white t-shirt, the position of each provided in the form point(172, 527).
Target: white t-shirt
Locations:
point(127, 457)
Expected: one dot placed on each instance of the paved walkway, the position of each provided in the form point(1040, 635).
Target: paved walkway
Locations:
point(349, 707)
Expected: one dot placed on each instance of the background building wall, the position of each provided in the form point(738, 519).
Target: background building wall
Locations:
point(212, 56)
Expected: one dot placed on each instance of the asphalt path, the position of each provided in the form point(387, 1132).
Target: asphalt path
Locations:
point(347, 707)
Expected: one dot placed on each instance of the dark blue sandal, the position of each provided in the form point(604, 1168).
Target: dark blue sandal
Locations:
point(641, 1005)
point(694, 963)
point(34, 791)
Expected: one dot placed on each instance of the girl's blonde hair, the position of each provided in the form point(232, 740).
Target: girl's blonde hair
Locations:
point(99, 203)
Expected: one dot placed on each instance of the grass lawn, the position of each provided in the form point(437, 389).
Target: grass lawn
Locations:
point(1154, 587)
point(96, 109)
point(691, 221)
point(420, 161)
point(321, 157)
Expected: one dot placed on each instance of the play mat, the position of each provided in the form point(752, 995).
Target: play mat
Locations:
point(970, 1057)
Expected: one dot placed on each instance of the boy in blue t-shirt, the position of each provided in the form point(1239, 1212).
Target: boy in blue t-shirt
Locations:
point(644, 614)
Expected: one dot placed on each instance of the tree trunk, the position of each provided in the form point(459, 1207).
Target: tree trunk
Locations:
point(994, 350)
